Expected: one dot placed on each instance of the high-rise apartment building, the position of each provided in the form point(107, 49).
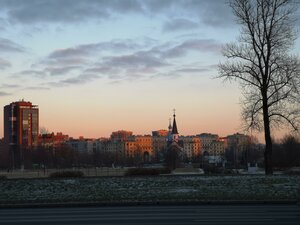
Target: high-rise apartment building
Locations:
point(21, 124)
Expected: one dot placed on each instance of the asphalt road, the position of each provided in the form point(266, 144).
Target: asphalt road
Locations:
point(264, 214)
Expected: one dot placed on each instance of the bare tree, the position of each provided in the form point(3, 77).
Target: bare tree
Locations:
point(263, 64)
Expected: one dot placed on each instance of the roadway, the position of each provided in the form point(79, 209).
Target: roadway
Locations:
point(275, 214)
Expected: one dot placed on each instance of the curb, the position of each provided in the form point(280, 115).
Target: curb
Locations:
point(156, 203)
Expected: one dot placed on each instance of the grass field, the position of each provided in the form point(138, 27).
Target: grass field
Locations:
point(150, 189)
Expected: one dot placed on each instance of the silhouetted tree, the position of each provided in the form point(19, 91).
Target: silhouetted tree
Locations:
point(262, 63)
point(291, 146)
point(172, 157)
point(279, 156)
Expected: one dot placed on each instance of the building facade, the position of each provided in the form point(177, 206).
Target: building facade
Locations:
point(21, 124)
point(143, 146)
point(52, 140)
point(191, 147)
point(120, 135)
point(206, 140)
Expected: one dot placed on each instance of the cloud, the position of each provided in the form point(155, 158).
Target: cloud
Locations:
point(36, 73)
point(19, 87)
point(4, 64)
point(136, 60)
point(56, 62)
point(70, 53)
point(43, 11)
point(36, 88)
point(66, 11)
point(193, 70)
point(10, 46)
point(90, 49)
point(54, 71)
point(103, 70)
point(156, 60)
point(2, 93)
point(179, 25)
point(214, 13)
point(200, 45)
point(10, 86)
point(81, 79)
point(127, 67)
point(62, 61)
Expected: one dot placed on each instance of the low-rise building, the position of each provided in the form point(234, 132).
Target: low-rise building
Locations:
point(217, 148)
point(120, 135)
point(52, 140)
point(206, 139)
point(143, 146)
point(191, 146)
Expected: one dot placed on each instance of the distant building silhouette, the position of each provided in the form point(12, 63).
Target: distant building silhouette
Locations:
point(160, 133)
point(159, 143)
point(120, 135)
point(21, 131)
point(51, 140)
point(173, 137)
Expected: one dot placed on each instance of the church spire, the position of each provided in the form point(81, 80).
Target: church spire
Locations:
point(174, 129)
point(170, 126)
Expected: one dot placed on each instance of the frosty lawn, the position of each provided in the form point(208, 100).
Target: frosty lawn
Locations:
point(150, 189)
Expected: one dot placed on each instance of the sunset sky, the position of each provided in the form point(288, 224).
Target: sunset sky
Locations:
point(96, 66)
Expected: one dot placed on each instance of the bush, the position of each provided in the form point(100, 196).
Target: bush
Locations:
point(66, 174)
point(3, 177)
point(146, 171)
point(164, 170)
point(218, 170)
point(292, 171)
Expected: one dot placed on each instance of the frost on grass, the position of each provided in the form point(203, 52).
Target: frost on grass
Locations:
point(150, 189)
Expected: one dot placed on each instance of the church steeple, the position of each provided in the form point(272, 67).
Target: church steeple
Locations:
point(175, 135)
point(170, 126)
point(174, 129)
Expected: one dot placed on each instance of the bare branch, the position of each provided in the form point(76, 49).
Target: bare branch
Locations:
point(261, 61)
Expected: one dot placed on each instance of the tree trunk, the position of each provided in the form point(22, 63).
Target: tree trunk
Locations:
point(268, 140)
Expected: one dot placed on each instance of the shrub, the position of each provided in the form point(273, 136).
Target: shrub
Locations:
point(3, 177)
point(146, 171)
point(213, 170)
point(292, 171)
point(164, 170)
point(66, 174)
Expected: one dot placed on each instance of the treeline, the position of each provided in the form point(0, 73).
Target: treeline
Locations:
point(286, 154)
point(64, 157)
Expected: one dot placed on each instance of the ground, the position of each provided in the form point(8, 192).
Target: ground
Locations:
point(185, 188)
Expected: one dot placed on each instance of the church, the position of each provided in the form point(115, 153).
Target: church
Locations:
point(174, 151)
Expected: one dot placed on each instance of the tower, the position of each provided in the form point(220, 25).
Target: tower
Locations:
point(173, 135)
point(174, 129)
point(169, 139)
point(173, 157)
point(21, 124)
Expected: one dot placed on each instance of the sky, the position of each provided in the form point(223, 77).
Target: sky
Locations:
point(97, 66)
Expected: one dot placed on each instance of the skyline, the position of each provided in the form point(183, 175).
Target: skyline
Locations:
point(110, 65)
